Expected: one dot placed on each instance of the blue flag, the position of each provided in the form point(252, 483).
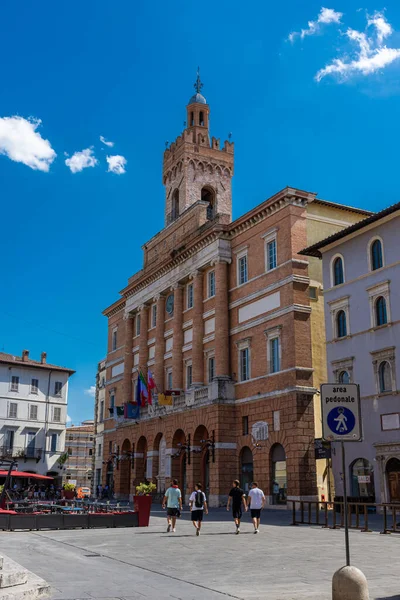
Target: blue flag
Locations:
point(132, 411)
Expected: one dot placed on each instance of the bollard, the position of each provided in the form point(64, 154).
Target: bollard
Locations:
point(349, 583)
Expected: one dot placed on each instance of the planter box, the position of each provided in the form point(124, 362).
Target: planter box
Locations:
point(22, 521)
point(126, 520)
point(142, 506)
point(76, 521)
point(68, 494)
point(101, 520)
point(50, 521)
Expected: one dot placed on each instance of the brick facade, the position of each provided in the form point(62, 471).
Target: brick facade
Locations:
point(248, 412)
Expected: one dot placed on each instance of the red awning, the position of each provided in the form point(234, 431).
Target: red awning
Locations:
point(22, 474)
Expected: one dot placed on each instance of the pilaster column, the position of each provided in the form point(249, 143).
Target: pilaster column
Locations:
point(160, 344)
point(144, 325)
point(128, 357)
point(222, 363)
point(177, 368)
point(198, 330)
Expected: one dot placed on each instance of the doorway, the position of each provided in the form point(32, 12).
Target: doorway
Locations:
point(246, 464)
point(279, 474)
point(393, 479)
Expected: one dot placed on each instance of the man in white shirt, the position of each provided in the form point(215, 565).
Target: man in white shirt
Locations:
point(198, 505)
point(256, 503)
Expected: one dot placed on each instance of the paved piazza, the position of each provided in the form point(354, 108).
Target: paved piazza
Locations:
point(281, 563)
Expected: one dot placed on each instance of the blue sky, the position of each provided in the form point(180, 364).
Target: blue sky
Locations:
point(125, 70)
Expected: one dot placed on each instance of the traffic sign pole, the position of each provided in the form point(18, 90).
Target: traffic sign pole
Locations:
point(345, 508)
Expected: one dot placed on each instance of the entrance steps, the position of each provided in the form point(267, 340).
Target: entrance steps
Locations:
point(17, 583)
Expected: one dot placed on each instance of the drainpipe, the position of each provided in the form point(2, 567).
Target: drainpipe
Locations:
point(46, 420)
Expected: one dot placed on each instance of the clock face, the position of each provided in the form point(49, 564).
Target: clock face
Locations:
point(169, 305)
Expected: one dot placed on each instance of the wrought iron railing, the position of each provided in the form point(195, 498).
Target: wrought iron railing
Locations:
point(20, 452)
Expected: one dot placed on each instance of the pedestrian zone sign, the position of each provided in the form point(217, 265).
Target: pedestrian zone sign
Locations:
point(341, 416)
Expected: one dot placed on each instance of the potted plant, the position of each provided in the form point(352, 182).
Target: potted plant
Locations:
point(142, 502)
point(69, 491)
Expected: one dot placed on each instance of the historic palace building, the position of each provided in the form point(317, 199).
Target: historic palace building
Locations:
point(229, 314)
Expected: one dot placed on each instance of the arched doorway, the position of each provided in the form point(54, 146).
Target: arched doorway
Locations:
point(362, 480)
point(246, 468)
point(200, 458)
point(125, 469)
point(179, 457)
point(160, 446)
point(279, 474)
point(393, 479)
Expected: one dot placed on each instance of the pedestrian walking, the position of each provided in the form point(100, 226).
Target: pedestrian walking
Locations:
point(198, 505)
point(237, 496)
point(256, 504)
point(173, 501)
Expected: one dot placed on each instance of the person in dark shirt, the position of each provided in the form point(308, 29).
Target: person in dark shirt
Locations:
point(236, 495)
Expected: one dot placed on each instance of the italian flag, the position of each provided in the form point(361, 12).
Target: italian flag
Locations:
point(150, 386)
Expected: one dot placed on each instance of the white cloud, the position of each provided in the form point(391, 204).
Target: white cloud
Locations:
point(326, 16)
point(104, 141)
point(20, 141)
point(370, 56)
point(91, 391)
point(69, 420)
point(81, 160)
point(116, 164)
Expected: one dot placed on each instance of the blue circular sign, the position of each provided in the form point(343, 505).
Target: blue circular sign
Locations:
point(341, 420)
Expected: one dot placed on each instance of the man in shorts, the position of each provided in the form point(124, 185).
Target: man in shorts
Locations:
point(198, 504)
point(173, 500)
point(238, 498)
point(256, 504)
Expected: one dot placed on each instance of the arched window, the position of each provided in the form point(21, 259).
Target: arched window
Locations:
point(338, 276)
point(380, 311)
point(376, 255)
point(344, 377)
point(175, 205)
point(192, 119)
point(207, 195)
point(341, 324)
point(385, 377)
point(201, 118)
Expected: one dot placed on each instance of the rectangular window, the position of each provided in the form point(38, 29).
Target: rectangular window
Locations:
point(189, 296)
point(10, 439)
point(211, 284)
point(57, 414)
point(98, 477)
point(99, 450)
point(169, 379)
point(112, 401)
point(274, 362)
point(31, 441)
point(114, 340)
point(90, 451)
point(34, 386)
point(245, 425)
point(33, 412)
point(312, 292)
point(244, 364)
point(12, 410)
point(57, 388)
point(154, 315)
point(53, 442)
point(211, 369)
point(14, 383)
point(137, 324)
point(271, 255)
point(101, 412)
point(242, 270)
point(189, 375)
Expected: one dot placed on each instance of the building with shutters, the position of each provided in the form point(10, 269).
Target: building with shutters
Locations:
point(227, 313)
point(362, 315)
point(33, 412)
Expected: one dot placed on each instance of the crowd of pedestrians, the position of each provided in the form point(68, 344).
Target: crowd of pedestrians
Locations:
point(255, 502)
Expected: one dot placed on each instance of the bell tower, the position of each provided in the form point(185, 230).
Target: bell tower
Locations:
point(196, 168)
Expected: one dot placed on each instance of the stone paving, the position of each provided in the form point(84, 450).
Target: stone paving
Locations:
point(281, 563)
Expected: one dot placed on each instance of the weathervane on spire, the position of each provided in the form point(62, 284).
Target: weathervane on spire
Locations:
point(198, 85)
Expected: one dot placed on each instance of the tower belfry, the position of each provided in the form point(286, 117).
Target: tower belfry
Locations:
point(196, 168)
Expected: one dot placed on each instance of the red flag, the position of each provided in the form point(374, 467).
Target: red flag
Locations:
point(150, 386)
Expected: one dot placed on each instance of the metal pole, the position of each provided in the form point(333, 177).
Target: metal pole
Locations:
point(346, 512)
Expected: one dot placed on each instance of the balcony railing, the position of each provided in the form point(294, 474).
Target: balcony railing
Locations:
point(21, 452)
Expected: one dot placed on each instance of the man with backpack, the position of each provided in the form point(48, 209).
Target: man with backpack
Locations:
point(198, 504)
